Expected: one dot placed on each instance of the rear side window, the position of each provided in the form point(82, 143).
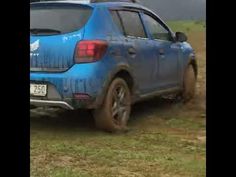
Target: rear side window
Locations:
point(132, 24)
point(117, 20)
point(59, 19)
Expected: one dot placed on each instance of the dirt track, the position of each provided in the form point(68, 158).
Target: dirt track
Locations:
point(166, 138)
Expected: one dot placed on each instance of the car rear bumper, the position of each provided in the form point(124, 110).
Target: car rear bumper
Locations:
point(79, 87)
point(55, 99)
point(78, 79)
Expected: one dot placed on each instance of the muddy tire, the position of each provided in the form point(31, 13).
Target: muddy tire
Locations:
point(113, 115)
point(189, 85)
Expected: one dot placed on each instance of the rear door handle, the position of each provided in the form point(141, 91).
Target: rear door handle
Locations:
point(132, 51)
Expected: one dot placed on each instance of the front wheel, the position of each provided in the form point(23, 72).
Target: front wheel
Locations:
point(113, 115)
point(189, 85)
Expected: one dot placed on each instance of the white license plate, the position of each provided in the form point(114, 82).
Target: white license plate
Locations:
point(38, 89)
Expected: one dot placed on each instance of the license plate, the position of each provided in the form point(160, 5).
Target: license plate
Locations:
point(38, 89)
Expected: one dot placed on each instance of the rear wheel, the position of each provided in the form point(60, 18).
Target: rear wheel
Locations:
point(113, 115)
point(189, 85)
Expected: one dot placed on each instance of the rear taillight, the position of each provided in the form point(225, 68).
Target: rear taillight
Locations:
point(90, 51)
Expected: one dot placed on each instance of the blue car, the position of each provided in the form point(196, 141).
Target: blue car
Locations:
point(105, 56)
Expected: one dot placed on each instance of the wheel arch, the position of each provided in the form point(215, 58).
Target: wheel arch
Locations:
point(124, 72)
point(193, 62)
point(190, 59)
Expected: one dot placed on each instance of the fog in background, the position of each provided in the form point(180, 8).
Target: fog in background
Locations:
point(178, 9)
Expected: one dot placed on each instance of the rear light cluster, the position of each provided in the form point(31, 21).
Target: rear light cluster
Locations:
point(90, 51)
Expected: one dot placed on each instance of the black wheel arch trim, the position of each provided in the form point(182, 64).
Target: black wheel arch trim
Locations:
point(110, 78)
point(192, 60)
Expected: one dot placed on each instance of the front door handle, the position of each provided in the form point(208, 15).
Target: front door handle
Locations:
point(161, 52)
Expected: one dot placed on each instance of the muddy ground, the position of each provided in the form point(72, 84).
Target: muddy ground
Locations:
point(167, 139)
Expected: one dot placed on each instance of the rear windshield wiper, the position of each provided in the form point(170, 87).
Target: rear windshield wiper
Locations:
point(44, 30)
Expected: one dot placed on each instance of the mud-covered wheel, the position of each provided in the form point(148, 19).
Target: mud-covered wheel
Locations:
point(113, 115)
point(189, 85)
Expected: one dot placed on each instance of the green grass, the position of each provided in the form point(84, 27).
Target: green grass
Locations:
point(76, 153)
point(166, 139)
point(187, 26)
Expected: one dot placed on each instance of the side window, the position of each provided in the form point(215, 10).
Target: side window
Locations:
point(132, 24)
point(117, 20)
point(156, 29)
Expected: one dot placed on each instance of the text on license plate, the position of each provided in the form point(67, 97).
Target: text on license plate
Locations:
point(38, 89)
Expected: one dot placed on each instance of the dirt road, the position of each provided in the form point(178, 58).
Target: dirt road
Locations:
point(166, 138)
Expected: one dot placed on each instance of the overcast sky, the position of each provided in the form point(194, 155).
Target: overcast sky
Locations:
point(177, 9)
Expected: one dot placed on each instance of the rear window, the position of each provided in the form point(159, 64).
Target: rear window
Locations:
point(58, 19)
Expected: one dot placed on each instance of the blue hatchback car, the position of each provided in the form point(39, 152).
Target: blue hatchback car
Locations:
point(105, 56)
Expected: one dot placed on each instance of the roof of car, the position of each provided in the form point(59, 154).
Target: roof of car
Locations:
point(96, 4)
point(109, 4)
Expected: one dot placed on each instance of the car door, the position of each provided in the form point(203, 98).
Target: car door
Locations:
point(166, 51)
point(138, 49)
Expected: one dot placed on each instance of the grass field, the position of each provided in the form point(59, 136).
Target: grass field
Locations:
point(166, 139)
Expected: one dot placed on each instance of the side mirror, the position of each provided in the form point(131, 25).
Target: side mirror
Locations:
point(180, 37)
